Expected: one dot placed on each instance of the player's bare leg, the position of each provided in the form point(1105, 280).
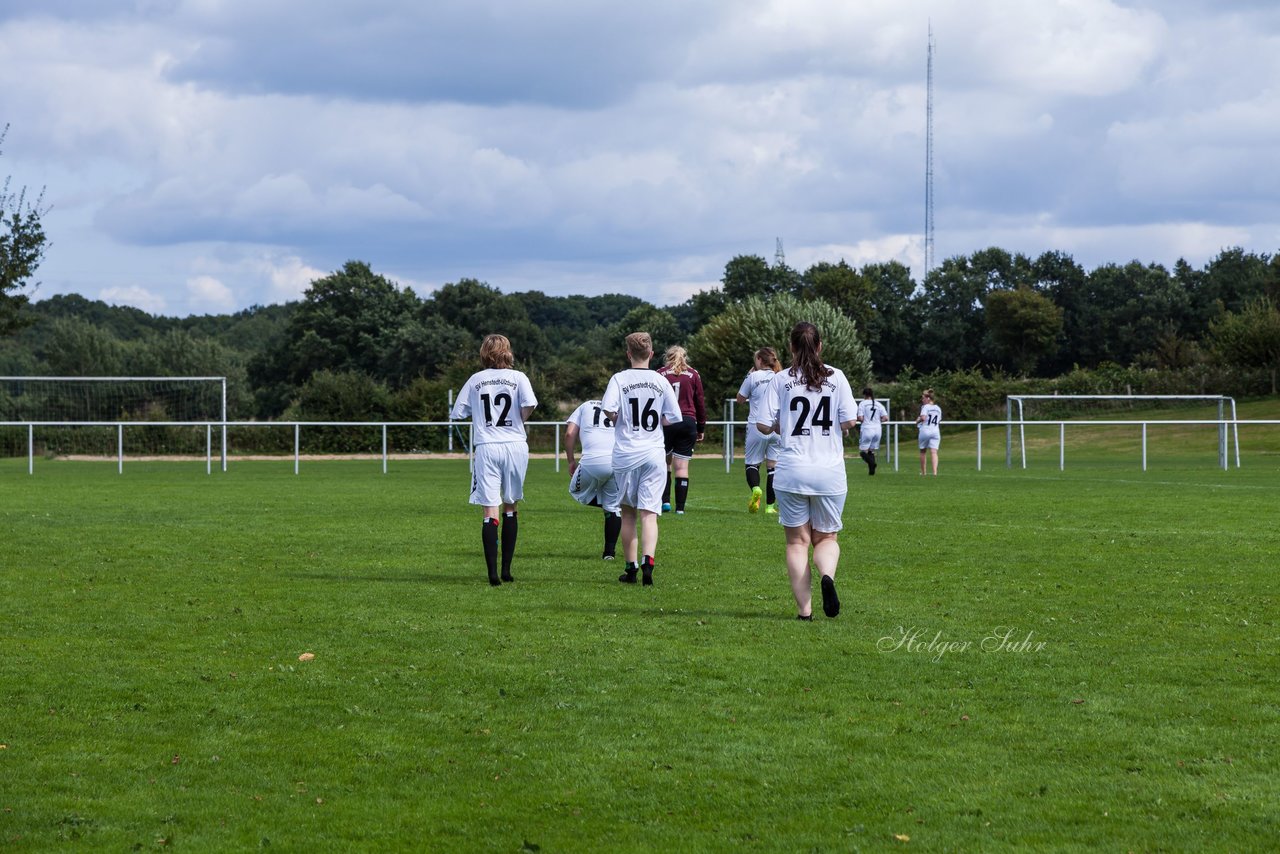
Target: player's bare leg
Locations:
point(648, 542)
point(826, 555)
point(798, 540)
point(933, 453)
point(630, 546)
point(923, 456)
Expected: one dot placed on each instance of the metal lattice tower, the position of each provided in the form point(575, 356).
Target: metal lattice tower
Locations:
point(779, 257)
point(928, 160)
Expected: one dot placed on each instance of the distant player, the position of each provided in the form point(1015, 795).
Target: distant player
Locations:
point(498, 401)
point(871, 420)
point(760, 448)
point(591, 480)
point(810, 406)
point(679, 438)
point(929, 421)
point(640, 402)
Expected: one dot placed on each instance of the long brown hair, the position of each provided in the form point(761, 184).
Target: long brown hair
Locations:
point(806, 359)
point(768, 357)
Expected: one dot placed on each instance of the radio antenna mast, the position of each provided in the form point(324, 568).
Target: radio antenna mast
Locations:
point(928, 160)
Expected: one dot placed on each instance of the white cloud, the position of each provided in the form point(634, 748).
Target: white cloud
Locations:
point(177, 147)
point(136, 296)
point(208, 295)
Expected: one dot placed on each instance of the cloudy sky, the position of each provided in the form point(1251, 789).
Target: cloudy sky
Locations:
point(205, 155)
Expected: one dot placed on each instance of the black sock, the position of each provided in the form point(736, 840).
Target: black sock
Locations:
point(770, 496)
point(646, 568)
point(666, 490)
point(753, 477)
point(682, 492)
point(489, 538)
point(510, 528)
point(612, 529)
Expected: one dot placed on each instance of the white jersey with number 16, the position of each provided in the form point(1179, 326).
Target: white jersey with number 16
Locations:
point(642, 398)
point(811, 455)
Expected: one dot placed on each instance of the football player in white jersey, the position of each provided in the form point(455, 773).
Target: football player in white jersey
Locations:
point(810, 406)
point(497, 400)
point(760, 448)
point(640, 402)
point(591, 480)
point(871, 418)
point(930, 421)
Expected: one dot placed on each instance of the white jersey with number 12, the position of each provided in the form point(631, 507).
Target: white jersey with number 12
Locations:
point(492, 399)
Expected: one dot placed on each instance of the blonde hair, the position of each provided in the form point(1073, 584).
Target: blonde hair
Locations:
point(769, 358)
point(677, 359)
point(495, 352)
point(639, 345)
point(928, 393)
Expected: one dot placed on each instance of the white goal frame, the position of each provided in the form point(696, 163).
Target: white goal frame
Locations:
point(222, 421)
point(1221, 399)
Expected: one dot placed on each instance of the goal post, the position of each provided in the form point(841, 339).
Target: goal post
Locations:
point(70, 401)
point(1016, 406)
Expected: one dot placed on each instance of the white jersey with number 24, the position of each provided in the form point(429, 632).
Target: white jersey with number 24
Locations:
point(811, 453)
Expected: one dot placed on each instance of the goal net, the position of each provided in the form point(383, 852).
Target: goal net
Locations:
point(82, 416)
point(1179, 423)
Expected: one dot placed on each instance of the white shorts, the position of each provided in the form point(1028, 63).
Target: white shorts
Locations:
point(869, 440)
point(641, 485)
point(929, 440)
point(593, 480)
point(497, 473)
point(820, 512)
point(760, 447)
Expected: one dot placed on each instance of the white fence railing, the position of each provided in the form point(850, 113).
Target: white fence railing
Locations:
point(891, 434)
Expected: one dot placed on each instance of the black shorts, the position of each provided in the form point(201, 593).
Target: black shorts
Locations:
point(680, 438)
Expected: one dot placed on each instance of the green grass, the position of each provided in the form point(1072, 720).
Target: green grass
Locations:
point(152, 694)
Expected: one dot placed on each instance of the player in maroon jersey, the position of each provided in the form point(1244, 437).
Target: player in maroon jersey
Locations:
point(681, 437)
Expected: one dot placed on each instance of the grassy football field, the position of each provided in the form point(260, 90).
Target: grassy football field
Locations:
point(1080, 659)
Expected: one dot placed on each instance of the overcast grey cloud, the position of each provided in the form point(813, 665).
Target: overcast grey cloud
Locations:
point(205, 155)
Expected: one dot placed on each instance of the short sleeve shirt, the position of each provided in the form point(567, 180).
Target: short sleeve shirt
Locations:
point(595, 429)
point(492, 400)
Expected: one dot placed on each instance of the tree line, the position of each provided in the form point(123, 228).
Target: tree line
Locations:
point(358, 346)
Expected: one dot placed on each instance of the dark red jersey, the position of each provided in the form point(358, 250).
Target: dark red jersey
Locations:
point(688, 386)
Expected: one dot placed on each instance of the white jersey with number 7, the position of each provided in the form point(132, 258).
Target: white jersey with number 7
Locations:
point(811, 451)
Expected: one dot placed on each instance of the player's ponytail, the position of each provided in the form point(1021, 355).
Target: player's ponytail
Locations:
point(806, 356)
point(768, 357)
point(677, 359)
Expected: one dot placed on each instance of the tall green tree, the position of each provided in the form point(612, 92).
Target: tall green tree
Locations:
point(843, 287)
point(1250, 338)
point(722, 349)
point(1024, 325)
point(894, 326)
point(482, 309)
point(22, 245)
